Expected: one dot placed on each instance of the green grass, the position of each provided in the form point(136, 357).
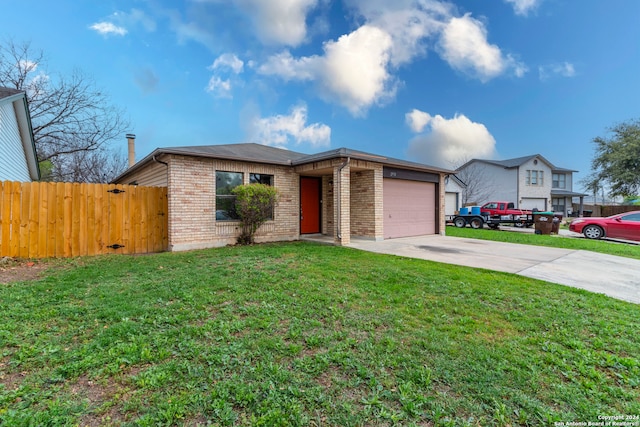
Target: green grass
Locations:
point(602, 246)
point(300, 334)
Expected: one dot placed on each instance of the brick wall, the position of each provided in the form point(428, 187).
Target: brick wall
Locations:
point(192, 223)
point(342, 205)
point(191, 207)
point(366, 204)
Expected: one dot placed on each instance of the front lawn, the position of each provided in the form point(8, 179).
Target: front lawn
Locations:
point(305, 334)
point(603, 246)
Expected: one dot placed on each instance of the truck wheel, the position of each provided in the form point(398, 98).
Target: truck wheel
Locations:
point(476, 223)
point(593, 232)
point(459, 222)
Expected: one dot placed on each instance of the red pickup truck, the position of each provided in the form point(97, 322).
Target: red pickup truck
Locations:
point(494, 209)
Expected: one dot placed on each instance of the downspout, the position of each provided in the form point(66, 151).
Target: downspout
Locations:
point(340, 194)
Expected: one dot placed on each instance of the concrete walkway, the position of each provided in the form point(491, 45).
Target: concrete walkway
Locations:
point(614, 276)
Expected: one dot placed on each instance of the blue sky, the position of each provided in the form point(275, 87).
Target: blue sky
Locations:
point(424, 80)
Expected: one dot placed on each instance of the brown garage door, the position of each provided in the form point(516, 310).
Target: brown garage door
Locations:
point(409, 208)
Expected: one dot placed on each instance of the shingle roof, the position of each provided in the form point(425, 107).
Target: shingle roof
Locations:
point(244, 152)
point(566, 193)
point(258, 153)
point(518, 161)
point(361, 155)
point(6, 92)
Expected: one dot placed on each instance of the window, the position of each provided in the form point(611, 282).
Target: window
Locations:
point(559, 180)
point(558, 204)
point(261, 178)
point(631, 217)
point(225, 200)
point(535, 178)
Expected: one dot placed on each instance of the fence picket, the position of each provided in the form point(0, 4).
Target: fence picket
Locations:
point(42, 219)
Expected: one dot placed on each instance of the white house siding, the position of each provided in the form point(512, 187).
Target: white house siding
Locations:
point(528, 192)
point(13, 164)
point(497, 181)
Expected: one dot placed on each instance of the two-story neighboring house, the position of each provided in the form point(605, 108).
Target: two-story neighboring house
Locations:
point(18, 161)
point(530, 182)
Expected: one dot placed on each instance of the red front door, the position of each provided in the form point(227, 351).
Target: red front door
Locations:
point(309, 205)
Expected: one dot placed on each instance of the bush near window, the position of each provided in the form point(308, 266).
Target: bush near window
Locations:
point(254, 205)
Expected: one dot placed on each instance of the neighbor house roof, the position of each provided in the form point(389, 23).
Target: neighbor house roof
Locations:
point(258, 153)
point(517, 162)
point(566, 193)
point(21, 108)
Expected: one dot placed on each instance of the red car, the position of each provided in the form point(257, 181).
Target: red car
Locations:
point(622, 226)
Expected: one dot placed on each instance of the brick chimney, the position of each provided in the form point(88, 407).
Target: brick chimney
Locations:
point(131, 138)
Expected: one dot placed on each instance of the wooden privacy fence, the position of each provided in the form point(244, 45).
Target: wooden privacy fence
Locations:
point(55, 219)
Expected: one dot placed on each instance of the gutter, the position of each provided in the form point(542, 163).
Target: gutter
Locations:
point(339, 192)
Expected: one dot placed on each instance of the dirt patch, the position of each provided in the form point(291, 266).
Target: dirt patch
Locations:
point(19, 270)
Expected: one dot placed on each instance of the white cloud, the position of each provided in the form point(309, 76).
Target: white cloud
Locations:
point(281, 130)
point(226, 64)
point(355, 69)
point(523, 7)
point(285, 66)
point(564, 69)
point(448, 140)
point(107, 28)
point(465, 47)
point(352, 71)
point(219, 87)
point(228, 61)
point(417, 120)
point(358, 70)
point(279, 22)
point(409, 23)
point(26, 66)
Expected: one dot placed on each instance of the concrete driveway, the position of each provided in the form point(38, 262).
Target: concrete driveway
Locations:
point(614, 276)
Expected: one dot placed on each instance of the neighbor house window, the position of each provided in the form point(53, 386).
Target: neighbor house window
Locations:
point(261, 178)
point(559, 180)
point(535, 178)
point(558, 204)
point(225, 199)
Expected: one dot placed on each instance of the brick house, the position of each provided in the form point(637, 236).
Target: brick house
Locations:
point(339, 193)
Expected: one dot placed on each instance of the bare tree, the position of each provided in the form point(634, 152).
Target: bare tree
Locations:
point(478, 184)
point(69, 114)
point(89, 166)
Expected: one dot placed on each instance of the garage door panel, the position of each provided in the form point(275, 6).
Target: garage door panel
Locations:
point(531, 203)
point(450, 203)
point(409, 208)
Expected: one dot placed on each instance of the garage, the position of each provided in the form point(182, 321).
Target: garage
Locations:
point(409, 208)
point(530, 203)
point(451, 203)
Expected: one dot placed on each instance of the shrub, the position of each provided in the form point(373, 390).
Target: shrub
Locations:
point(254, 205)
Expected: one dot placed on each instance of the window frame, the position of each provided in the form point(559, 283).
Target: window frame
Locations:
point(219, 197)
point(554, 205)
point(559, 180)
